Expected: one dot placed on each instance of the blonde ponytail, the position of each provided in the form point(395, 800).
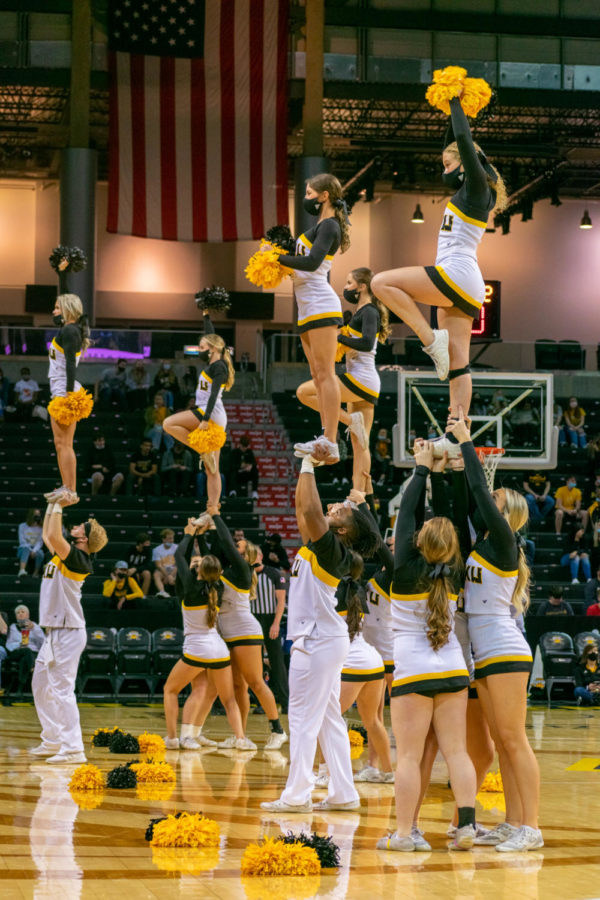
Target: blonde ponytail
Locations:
point(516, 513)
point(439, 623)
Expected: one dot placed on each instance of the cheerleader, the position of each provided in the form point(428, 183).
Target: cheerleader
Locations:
point(320, 647)
point(496, 587)
point(204, 651)
point(454, 284)
point(63, 358)
point(203, 428)
point(319, 307)
point(430, 677)
point(360, 383)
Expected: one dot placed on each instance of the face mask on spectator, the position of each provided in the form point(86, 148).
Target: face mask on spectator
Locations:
point(571, 484)
point(593, 657)
point(167, 367)
point(573, 404)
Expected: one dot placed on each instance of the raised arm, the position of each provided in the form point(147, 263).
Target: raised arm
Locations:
point(209, 328)
point(183, 554)
point(460, 511)
point(53, 537)
point(327, 236)
point(475, 174)
point(241, 569)
point(383, 552)
point(309, 510)
point(370, 324)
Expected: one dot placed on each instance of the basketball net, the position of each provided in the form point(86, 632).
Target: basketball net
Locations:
point(489, 457)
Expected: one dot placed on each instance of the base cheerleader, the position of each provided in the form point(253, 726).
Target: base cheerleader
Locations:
point(454, 284)
point(69, 401)
point(204, 428)
point(360, 383)
point(204, 651)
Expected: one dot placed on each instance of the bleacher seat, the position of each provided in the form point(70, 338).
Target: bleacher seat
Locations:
point(134, 659)
point(98, 663)
point(167, 644)
point(546, 354)
point(584, 639)
point(558, 658)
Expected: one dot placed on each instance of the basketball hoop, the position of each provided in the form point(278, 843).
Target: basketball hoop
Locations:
point(489, 457)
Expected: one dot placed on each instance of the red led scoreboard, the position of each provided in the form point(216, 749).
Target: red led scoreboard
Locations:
point(487, 324)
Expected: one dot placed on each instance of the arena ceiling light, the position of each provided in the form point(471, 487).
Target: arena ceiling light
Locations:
point(586, 222)
point(417, 216)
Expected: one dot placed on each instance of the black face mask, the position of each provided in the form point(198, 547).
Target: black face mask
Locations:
point(312, 206)
point(453, 179)
point(593, 657)
point(58, 321)
point(351, 296)
point(204, 356)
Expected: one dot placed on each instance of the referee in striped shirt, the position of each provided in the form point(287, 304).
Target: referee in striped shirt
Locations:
point(268, 608)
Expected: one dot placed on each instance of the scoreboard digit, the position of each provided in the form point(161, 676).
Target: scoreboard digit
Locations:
point(487, 324)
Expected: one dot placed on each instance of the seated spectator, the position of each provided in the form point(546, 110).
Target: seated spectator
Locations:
point(26, 394)
point(382, 456)
point(101, 469)
point(537, 493)
point(573, 430)
point(154, 417)
point(555, 605)
point(591, 589)
point(594, 518)
point(525, 420)
point(243, 470)
point(587, 677)
point(274, 553)
point(176, 469)
point(594, 608)
point(31, 546)
point(189, 383)
point(121, 587)
point(166, 382)
point(110, 387)
point(139, 561)
point(5, 387)
point(23, 643)
point(3, 651)
point(142, 477)
point(577, 557)
point(137, 385)
point(568, 503)
point(163, 557)
point(238, 535)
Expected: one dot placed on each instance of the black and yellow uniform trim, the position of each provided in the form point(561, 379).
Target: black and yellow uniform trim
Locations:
point(500, 665)
point(234, 587)
point(56, 346)
point(437, 683)
point(453, 291)
point(308, 244)
point(320, 320)
point(201, 663)
point(318, 570)
point(68, 573)
point(504, 573)
point(359, 675)
point(389, 666)
point(358, 389)
point(246, 640)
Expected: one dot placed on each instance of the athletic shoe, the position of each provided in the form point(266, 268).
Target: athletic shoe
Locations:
point(395, 842)
point(438, 351)
point(162, 594)
point(443, 445)
point(367, 773)
point(44, 750)
point(497, 835)
point(276, 740)
point(480, 829)
point(204, 741)
point(66, 758)
point(341, 807)
point(281, 806)
point(21, 573)
point(210, 462)
point(308, 448)
point(357, 428)
point(464, 838)
point(172, 743)
point(202, 520)
point(386, 778)
point(244, 744)
point(322, 780)
point(189, 743)
point(51, 496)
point(421, 845)
point(524, 838)
point(575, 581)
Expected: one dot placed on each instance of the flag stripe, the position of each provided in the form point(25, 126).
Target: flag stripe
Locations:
point(138, 149)
point(282, 101)
point(268, 121)
point(256, 112)
point(152, 99)
point(212, 71)
point(243, 113)
point(227, 46)
point(183, 150)
point(168, 190)
point(198, 139)
point(112, 221)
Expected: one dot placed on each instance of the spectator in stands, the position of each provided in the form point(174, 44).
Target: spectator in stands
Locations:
point(577, 557)
point(101, 469)
point(142, 477)
point(189, 382)
point(110, 387)
point(274, 552)
point(121, 587)
point(478, 405)
point(573, 430)
point(268, 607)
point(243, 470)
point(537, 493)
point(31, 545)
point(139, 561)
point(587, 677)
point(154, 417)
point(555, 605)
point(137, 385)
point(382, 456)
point(568, 503)
point(26, 394)
point(23, 644)
point(594, 608)
point(176, 469)
point(591, 589)
point(238, 535)
point(3, 650)
point(165, 381)
point(594, 518)
point(163, 557)
point(5, 387)
point(525, 420)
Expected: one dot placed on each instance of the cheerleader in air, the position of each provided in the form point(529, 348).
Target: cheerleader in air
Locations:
point(70, 402)
point(454, 284)
point(430, 677)
point(319, 307)
point(360, 383)
point(204, 428)
point(496, 591)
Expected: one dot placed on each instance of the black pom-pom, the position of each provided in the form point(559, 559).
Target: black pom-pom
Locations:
point(326, 850)
point(283, 237)
point(122, 778)
point(150, 829)
point(214, 297)
point(123, 743)
point(102, 736)
point(67, 259)
point(361, 730)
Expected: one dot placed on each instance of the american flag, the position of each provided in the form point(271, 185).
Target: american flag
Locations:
point(198, 125)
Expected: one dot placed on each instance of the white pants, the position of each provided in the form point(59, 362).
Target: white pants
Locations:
point(314, 714)
point(53, 686)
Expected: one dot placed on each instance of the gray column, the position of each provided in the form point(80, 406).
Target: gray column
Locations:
point(78, 219)
point(305, 167)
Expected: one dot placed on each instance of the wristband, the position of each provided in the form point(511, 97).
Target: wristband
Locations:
point(307, 467)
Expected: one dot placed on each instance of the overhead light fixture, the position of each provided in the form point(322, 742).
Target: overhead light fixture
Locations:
point(586, 222)
point(417, 216)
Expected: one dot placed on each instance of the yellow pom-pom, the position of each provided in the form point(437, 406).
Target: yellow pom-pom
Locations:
point(451, 76)
point(341, 348)
point(153, 793)
point(273, 857)
point(153, 772)
point(186, 861)
point(75, 406)
point(207, 440)
point(298, 887)
point(88, 799)
point(264, 268)
point(476, 96)
point(447, 83)
point(355, 737)
point(151, 743)
point(187, 830)
point(492, 782)
point(87, 778)
point(490, 802)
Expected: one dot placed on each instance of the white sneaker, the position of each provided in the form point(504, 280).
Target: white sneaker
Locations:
point(210, 462)
point(575, 581)
point(464, 838)
point(276, 740)
point(438, 351)
point(367, 773)
point(44, 750)
point(322, 780)
point(172, 743)
point(162, 594)
point(281, 806)
point(66, 758)
point(524, 838)
point(387, 778)
point(308, 448)
point(21, 573)
point(394, 842)
point(357, 428)
point(202, 520)
point(421, 845)
point(189, 743)
point(443, 445)
point(244, 744)
point(204, 741)
point(480, 830)
point(342, 807)
point(52, 496)
point(497, 835)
